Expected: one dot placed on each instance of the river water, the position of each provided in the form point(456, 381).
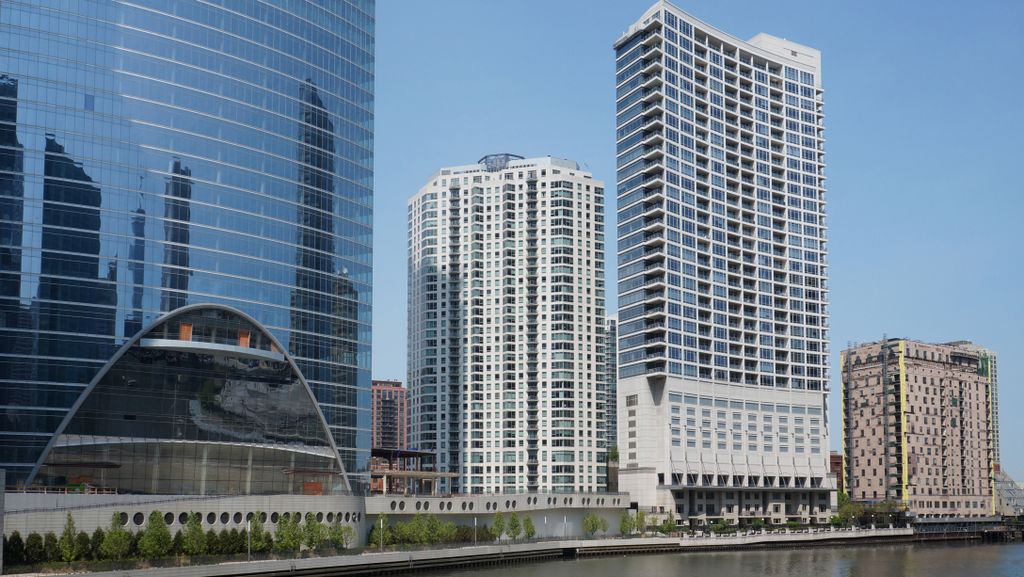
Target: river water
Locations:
point(917, 560)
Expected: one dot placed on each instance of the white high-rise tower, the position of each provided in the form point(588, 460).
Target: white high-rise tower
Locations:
point(506, 325)
point(723, 320)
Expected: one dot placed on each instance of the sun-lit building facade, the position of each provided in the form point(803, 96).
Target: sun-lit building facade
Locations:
point(723, 296)
point(506, 325)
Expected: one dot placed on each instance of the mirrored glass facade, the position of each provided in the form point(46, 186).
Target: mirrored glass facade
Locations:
point(168, 153)
point(204, 403)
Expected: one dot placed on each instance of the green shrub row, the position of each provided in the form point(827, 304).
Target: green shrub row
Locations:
point(155, 540)
point(428, 529)
point(425, 529)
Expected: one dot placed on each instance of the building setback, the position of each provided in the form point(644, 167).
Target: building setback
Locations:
point(918, 426)
point(723, 338)
point(390, 409)
point(506, 325)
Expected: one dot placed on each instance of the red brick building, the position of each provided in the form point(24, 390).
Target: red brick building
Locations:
point(390, 409)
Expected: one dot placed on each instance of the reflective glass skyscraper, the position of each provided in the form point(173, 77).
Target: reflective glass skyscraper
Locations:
point(162, 154)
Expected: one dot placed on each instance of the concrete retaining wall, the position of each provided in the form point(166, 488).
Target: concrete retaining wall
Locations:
point(552, 515)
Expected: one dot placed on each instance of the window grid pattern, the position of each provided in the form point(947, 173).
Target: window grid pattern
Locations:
point(159, 154)
point(722, 250)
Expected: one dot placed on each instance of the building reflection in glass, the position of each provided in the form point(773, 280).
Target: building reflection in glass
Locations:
point(177, 214)
point(75, 296)
point(241, 203)
point(324, 299)
point(12, 193)
point(137, 268)
point(204, 403)
point(16, 334)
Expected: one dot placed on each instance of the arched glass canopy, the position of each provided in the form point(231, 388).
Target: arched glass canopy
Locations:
point(203, 403)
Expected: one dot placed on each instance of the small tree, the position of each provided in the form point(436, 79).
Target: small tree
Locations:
point(232, 542)
point(96, 544)
point(155, 540)
point(84, 551)
point(68, 544)
point(133, 544)
point(14, 553)
point(641, 522)
point(719, 526)
point(668, 525)
point(193, 540)
point(848, 512)
point(514, 527)
point(602, 524)
point(288, 537)
point(485, 534)
point(591, 524)
point(626, 523)
point(177, 544)
point(313, 534)
point(51, 550)
point(499, 525)
point(341, 535)
point(448, 532)
point(381, 537)
point(212, 543)
point(529, 531)
point(34, 552)
point(258, 536)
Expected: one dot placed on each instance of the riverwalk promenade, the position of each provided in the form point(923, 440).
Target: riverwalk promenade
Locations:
point(372, 563)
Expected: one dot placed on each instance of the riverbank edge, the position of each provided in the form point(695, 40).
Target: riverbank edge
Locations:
point(390, 562)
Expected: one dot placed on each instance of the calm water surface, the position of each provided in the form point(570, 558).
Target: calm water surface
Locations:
point(933, 560)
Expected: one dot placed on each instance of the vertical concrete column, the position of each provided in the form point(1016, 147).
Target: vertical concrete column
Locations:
point(202, 470)
point(291, 483)
point(248, 474)
point(155, 484)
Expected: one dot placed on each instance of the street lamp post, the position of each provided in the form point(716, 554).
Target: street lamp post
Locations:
point(248, 538)
point(474, 531)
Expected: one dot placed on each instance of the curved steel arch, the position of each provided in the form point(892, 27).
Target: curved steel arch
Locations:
point(159, 321)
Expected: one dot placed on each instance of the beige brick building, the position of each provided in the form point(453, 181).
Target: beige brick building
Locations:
point(918, 426)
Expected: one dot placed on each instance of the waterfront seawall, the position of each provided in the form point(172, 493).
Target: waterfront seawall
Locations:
point(370, 563)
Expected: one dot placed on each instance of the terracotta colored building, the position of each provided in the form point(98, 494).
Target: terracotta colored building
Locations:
point(835, 467)
point(919, 426)
point(390, 407)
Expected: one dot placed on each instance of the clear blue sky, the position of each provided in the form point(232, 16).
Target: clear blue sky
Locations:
point(924, 117)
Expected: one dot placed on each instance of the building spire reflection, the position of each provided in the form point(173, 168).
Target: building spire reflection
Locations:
point(312, 298)
point(177, 214)
point(137, 268)
point(75, 296)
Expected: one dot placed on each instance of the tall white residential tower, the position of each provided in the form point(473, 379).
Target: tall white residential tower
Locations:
point(723, 321)
point(506, 325)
